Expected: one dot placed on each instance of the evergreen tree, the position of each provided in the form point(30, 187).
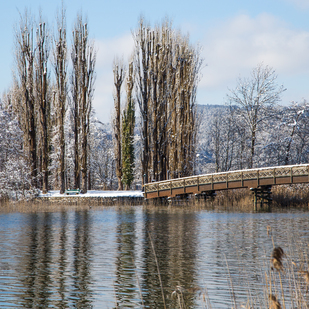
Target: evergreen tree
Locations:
point(128, 123)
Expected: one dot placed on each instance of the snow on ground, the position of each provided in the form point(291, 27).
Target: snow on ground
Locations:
point(94, 193)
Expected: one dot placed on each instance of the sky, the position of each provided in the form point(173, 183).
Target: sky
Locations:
point(234, 36)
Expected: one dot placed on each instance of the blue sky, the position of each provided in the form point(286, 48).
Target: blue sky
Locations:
point(235, 37)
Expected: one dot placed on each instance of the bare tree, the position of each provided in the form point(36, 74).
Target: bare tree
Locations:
point(255, 98)
point(141, 63)
point(224, 139)
point(293, 117)
point(83, 59)
point(60, 68)
point(167, 71)
point(289, 135)
point(76, 61)
point(41, 93)
point(24, 84)
point(119, 73)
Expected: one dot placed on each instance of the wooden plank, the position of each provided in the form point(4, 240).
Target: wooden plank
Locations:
point(283, 180)
point(300, 179)
point(267, 181)
point(150, 195)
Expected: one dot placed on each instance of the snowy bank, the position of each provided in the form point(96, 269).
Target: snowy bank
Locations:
point(94, 197)
point(95, 193)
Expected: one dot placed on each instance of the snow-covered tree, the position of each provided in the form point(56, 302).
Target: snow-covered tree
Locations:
point(293, 133)
point(255, 99)
point(15, 173)
point(102, 160)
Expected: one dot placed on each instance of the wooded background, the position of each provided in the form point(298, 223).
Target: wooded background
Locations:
point(51, 139)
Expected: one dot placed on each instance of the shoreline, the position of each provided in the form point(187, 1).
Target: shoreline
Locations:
point(93, 197)
point(284, 196)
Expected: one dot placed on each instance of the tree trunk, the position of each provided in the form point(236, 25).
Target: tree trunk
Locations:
point(84, 58)
point(27, 114)
point(41, 87)
point(84, 172)
point(60, 60)
point(118, 79)
point(166, 73)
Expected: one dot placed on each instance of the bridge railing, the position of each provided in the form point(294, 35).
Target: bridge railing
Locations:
point(250, 174)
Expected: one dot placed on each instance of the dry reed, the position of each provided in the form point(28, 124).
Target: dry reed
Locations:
point(158, 269)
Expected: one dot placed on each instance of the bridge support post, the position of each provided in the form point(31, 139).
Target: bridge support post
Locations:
point(261, 197)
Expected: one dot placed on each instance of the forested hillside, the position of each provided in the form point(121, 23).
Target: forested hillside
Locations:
point(224, 143)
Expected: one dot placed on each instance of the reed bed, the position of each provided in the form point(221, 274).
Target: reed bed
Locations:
point(291, 196)
point(285, 281)
point(284, 196)
point(28, 207)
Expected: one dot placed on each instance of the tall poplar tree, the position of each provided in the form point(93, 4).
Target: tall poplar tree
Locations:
point(60, 68)
point(119, 73)
point(24, 105)
point(167, 70)
point(83, 59)
point(43, 103)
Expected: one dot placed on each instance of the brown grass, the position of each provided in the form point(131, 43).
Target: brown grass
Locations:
point(284, 196)
point(291, 196)
point(32, 207)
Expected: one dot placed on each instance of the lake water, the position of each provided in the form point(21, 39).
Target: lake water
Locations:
point(136, 257)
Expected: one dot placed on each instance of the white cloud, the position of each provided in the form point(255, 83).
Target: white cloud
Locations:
point(107, 50)
point(241, 43)
point(303, 4)
point(230, 50)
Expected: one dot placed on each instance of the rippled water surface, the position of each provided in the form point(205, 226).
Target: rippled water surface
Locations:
point(137, 257)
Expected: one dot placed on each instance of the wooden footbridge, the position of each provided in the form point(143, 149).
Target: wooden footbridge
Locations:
point(258, 180)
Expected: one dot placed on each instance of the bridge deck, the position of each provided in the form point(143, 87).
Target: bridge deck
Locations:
point(252, 178)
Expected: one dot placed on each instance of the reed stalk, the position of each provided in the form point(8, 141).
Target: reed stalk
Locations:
point(158, 269)
point(139, 287)
point(230, 283)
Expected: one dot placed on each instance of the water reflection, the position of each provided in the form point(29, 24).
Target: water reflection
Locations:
point(125, 283)
point(81, 294)
point(173, 237)
point(62, 271)
point(53, 269)
point(36, 265)
point(106, 258)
